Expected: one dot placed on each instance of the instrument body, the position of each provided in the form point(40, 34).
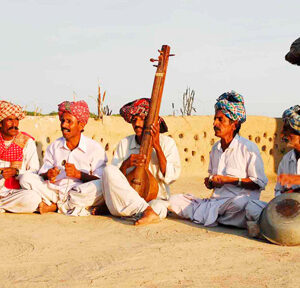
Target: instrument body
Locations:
point(141, 178)
point(280, 220)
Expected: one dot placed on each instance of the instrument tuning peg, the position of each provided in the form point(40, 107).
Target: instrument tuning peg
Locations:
point(171, 55)
point(155, 65)
point(153, 60)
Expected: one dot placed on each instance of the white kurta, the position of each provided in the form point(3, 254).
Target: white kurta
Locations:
point(71, 195)
point(19, 200)
point(121, 199)
point(230, 204)
point(287, 165)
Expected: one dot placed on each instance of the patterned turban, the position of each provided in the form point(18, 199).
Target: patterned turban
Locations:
point(140, 107)
point(232, 105)
point(78, 109)
point(291, 117)
point(8, 109)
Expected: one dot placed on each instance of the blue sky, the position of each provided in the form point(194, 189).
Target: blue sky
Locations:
point(51, 48)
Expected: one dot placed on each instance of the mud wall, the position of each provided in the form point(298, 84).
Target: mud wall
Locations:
point(193, 135)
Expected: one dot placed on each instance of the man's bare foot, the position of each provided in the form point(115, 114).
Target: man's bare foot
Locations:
point(100, 210)
point(148, 217)
point(44, 208)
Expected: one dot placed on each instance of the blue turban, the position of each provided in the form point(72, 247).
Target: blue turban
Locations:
point(291, 117)
point(232, 105)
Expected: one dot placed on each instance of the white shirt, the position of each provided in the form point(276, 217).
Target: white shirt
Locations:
point(287, 165)
point(88, 157)
point(128, 146)
point(240, 160)
point(30, 161)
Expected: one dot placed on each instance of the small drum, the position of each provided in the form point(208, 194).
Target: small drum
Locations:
point(280, 220)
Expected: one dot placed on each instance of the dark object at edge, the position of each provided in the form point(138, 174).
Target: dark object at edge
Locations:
point(294, 55)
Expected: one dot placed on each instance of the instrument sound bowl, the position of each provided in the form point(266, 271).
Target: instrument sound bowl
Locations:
point(280, 220)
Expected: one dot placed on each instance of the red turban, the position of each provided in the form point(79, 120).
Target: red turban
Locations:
point(78, 109)
point(140, 107)
point(7, 109)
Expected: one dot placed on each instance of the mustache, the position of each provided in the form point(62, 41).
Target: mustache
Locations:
point(135, 127)
point(65, 129)
point(13, 128)
point(217, 129)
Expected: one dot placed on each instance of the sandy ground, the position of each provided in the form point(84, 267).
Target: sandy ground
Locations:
point(100, 251)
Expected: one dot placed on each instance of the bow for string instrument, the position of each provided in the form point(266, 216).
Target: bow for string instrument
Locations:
point(141, 178)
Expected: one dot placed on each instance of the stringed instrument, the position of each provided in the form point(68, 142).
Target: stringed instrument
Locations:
point(141, 178)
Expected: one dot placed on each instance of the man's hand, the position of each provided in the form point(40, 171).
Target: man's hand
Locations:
point(71, 171)
point(52, 173)
point(136, 160)
point(216, 181)
point(155, 135)
point(9, 172)
point(208, 183)
point(133, 160)
point(162, 161)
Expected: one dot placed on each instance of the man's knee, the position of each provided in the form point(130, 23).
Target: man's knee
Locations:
point(27, 179)
point(182, 205)
point(254, 209)
point(29, 200)
point(33, 196)
point(239, 204)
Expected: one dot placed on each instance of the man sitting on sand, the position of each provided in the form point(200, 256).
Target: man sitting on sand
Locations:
point(236, 173)
point(17, 155)
point(70, 178)
point(289, 167)
point(120, 198)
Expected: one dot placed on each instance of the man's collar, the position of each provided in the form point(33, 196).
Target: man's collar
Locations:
point(293, 156)
point(232, 145)
point(82, 144)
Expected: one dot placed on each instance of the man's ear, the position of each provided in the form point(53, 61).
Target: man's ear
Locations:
point(81, 126)
point(236, 123)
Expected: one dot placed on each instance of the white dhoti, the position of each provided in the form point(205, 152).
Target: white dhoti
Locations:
point(77, 201)
point(81, 199)
point(234, 211)
point(20, 201)
point(122, 200)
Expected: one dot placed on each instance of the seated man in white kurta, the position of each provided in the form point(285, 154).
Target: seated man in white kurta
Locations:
point(236, 173)
point(70, 178)
point(289, 167)
point(120, 198)
point(17, 155)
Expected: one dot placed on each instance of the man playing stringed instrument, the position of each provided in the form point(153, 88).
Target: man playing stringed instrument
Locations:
point(120, 198)
point(17, 155)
